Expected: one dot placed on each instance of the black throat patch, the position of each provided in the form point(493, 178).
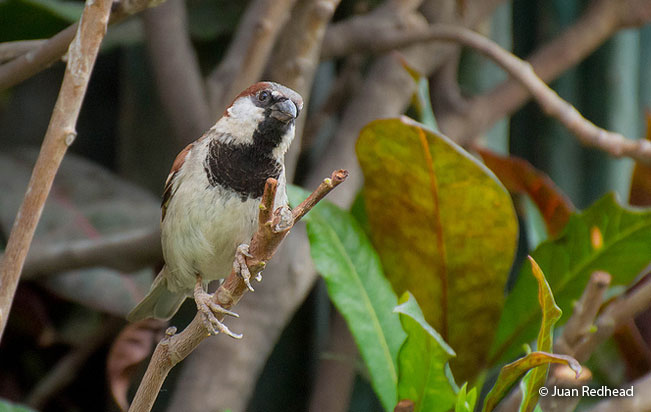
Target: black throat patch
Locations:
point(242, 168)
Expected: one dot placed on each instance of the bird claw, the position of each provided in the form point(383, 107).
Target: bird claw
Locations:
point(241, 268)
point(209, 310)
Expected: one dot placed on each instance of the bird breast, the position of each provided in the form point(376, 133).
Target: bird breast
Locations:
point(203, 226)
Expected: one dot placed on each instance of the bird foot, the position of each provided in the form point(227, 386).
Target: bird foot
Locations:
point(209, 310)
point(241, 268)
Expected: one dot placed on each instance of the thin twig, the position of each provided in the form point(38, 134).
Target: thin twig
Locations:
point(587, 132)
point(248, 53)
point(623, 308)
point(582, 320)
point(600, 21)
point(175, 347)
point(34, 61)
point(59, 136)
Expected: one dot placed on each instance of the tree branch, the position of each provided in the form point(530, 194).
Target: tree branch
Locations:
point(178, 77)
point(249, 51)
point(623, 308)
point(601, 20)
point(272, 229)
point(582, 320)
point(126, 251)
point(12, 49)
point(587, 132)
point(51, 50)
point(59, 136)
point(387, 90)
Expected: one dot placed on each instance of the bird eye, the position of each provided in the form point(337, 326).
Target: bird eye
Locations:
point(264, 96)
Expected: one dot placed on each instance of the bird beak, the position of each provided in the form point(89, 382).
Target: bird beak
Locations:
point(284, 111)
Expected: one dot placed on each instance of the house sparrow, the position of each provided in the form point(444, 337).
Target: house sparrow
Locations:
point(212, 197)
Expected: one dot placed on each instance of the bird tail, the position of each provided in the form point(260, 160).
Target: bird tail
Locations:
point(160, 302)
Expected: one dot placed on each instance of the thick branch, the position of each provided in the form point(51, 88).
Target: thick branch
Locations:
point(272, 229)
point(177, 72)
point(36, 60)
point(59, 136)
point(126, 251)
point(249, 51)
point(364, 33)
point(12, 49)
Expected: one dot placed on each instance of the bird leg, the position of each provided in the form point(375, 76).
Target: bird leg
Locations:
point(209, 310)
point(241, 268)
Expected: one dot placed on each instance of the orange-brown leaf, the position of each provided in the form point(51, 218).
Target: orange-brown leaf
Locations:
point(520, 176)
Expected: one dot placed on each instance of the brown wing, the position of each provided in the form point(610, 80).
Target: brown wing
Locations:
point(176, 166)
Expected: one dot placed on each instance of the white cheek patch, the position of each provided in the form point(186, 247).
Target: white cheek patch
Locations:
point(242, 120)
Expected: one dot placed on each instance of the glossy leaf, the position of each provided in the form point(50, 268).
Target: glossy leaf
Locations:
point(445, 230)
point(510, 374)
point(345, 258)
point(605, 237)
point(421, 361)
point(640, 194)
point(551, 313)
point(520, 176)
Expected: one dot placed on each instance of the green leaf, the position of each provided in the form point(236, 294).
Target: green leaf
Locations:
point(466, 401)
point(513, 371)
point(421, 361)
point(445, 230)
point(345, 258)
point(6, 406)
point(605, 237)
point(550, 315)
